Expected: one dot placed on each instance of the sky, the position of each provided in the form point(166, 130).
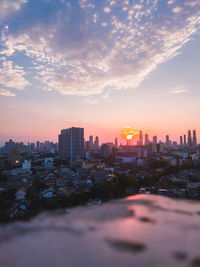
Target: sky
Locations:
point(99, 64)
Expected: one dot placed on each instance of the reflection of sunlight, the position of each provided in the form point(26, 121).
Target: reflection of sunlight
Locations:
point(127, 228)
point(133, 197)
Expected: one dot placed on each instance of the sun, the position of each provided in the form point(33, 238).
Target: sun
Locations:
point(128, 133)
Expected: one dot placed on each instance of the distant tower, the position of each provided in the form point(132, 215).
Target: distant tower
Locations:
point(167, 140)
point(91, 144)
point(116, 142)
point(189, 138)
point(146, 139)
point(155, 139)
point(185, 143)
point(194, 138)
point(96, 143)
point(38, 145)
point(140, 138)
point(181, 140)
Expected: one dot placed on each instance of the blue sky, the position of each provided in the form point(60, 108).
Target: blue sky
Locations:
point(98, 64)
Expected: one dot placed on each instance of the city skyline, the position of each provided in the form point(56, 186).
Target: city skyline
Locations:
point(99, 65)
point(138, 138)
point(99, 106)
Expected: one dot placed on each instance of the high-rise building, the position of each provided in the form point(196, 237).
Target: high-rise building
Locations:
point(189, 138)
point(71, 143)
point(146, 139)
point(38, 145)
point(194, 140)
point(167, 140)
point(91, 144)
point(140, 139)
point(155, 139)
point(181, 140)
point(96, 143)
point(116, 142)
point(185, 143)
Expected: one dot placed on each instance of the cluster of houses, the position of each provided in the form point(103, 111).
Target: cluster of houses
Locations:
point(39, 177)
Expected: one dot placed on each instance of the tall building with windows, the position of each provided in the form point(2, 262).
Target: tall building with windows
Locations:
point(71, 143)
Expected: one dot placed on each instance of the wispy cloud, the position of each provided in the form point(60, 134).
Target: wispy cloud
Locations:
point(91, 101)
point(4, 92)
point(180, 90)
point(89, 47)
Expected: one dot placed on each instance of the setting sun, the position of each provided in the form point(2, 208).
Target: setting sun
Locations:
point(128, 133)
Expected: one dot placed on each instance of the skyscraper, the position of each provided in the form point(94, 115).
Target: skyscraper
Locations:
point(96, 143)
point(189, 138)
point(71, 143)
point(146, 139)
point(140, 139)
point(91, 144)
point(185, 140)
point(116, 142)
point(155, 139)
point(38, 145)
point(181, 140)
point(194, 141)
point(167, 139)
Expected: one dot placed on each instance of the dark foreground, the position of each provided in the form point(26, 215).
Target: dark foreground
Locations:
point(143, 230)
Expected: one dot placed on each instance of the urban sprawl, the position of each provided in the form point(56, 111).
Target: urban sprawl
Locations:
point(42, 176)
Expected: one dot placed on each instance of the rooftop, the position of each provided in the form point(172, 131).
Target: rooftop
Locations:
point(142, 230)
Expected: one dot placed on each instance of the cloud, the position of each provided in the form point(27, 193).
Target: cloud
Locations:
point(179, 90)
point(7, 7)
point(107, 9)
point(89, 47)
point(4, 92)
point(11, 75)
point(177, 9)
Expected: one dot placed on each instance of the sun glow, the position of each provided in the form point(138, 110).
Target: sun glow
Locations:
point(128, 133)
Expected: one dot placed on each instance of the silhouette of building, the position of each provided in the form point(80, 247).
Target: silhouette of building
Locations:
point(116, 142)
point(185, 143)
point(155, 139)
point(194, 138)
point(140, 139)
point(146, 139)
point(91, 144)
point(181, 140)
point(189, 138)
point(167, 140)
point(96, 143)
point(71, 143)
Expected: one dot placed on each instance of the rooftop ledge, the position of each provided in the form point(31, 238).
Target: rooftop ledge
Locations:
point(142, 230)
